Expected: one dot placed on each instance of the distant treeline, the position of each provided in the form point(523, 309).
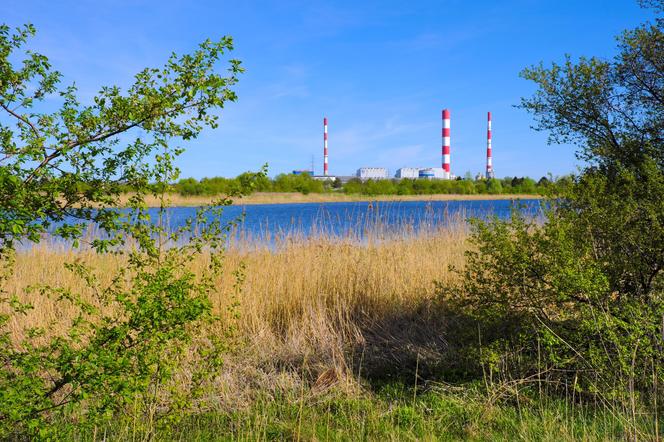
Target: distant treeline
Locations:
point(306, 184)
point(494, 186)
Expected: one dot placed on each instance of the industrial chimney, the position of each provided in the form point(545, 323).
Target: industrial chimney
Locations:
point(325, 171)
point(446, 143)
point(489, 162)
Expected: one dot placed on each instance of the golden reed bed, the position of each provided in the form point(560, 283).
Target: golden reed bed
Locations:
point(286, 198)
point(307, 301)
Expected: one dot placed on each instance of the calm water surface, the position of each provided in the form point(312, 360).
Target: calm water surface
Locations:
point(268, 224)
point(265, 221)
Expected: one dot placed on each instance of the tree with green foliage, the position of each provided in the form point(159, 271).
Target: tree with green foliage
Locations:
point(305, 184)
point(61, 169)
point(615, 111)
point(582, 296)
point(66, 163)
point(302, 183)
point(353, 186)
point(494, 186)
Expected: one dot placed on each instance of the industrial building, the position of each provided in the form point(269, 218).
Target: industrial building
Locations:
point(408, 172)
point(324, 177)
point(302, 172)
point(433, 173)
point(374, 173)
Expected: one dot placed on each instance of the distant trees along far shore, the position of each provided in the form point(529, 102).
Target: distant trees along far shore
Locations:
point(305, 184)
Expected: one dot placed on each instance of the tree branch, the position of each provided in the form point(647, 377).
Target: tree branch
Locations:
point(21, 118)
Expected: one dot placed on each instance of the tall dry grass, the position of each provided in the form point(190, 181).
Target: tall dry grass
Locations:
point(178, 200)
point(324, 309)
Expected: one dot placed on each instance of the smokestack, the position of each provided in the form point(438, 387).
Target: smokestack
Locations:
point(446, 143)
point(489, 162)
point(325, 146)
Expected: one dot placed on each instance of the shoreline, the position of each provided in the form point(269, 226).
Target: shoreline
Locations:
point(293, 198)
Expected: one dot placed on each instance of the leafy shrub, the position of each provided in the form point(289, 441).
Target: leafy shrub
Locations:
point(126, 343)
point(542, 292)
point(129, 338)
point(578, 297)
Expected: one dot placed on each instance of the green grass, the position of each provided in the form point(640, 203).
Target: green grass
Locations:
point(392, 414)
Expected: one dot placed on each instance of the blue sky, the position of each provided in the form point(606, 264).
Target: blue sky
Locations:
point(381, 71)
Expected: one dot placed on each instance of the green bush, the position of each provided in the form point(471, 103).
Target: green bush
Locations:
point(120, 358)
point(302, 183)
point(577, 298)
point(129, 337)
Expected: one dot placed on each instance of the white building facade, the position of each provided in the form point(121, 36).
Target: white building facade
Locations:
point(374, 173)
point(432, 173)
point(408, 172)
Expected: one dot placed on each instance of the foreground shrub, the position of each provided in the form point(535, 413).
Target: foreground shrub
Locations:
point(579, 299)
point(546, 306)
point(63, 170)
point(124, 346)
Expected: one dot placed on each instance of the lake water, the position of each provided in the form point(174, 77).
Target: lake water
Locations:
point(264, 222)
point(270, 224)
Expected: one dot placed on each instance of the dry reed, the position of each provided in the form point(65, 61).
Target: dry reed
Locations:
point(286, 198)
point(320, 302)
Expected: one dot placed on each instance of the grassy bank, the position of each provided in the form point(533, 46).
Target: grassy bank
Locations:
point(296, 197)
point(335, 340)
point(392, 414)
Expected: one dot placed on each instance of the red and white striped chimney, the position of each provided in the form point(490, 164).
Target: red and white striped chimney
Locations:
point(325, 171)
point(489, 162)
point(446, 143)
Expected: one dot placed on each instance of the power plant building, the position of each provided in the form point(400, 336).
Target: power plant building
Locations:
point(302, 172)
point(433, 173)
point(408, 172)
point(374, 173)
